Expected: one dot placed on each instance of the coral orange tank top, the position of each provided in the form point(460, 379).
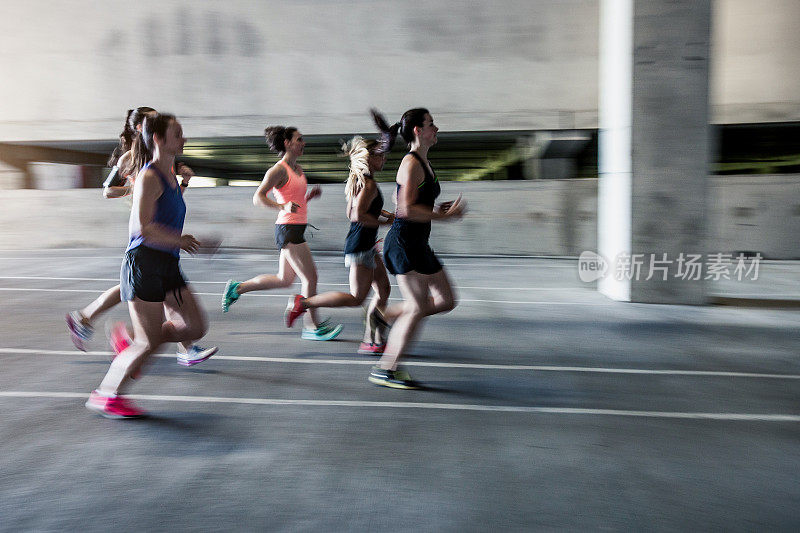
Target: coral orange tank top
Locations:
point(294, 190)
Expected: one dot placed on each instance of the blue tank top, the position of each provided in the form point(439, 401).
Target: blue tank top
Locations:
point(427, 192)
point(170, 214)
point(361, 238)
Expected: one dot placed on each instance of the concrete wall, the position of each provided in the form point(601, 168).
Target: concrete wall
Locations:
point(71, 69)
point(748, 213)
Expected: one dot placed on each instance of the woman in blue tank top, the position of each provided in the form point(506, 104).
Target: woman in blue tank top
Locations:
point(366, 214)
point(423, 282)
point(150, 277)
point(119, 184)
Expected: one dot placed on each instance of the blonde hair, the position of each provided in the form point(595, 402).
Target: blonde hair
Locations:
point(358, 150)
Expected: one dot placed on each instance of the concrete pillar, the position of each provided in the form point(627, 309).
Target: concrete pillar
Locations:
point(653, 147)
point(12, 176)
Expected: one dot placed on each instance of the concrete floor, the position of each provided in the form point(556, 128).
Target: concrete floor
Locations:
point(547, 407)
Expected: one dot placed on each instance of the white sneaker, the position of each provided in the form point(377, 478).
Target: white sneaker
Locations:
point(196, 354)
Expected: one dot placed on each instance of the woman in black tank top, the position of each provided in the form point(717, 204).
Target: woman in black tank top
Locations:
point(366, 214)
point(422, 280)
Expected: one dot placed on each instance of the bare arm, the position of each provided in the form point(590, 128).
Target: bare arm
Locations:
point(114, 191)
point(357, 211)
point(275, 177)
point(116, 185)
point(410, 176)
point(186, 173)
point(145, 196)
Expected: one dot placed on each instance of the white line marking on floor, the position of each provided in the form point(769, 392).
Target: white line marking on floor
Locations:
point(286, 295)
point(743, 417)
point(43, 278)
point(51, 290)
point(449, 264)
point(435, 364)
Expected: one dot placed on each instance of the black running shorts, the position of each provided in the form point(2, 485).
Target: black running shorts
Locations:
point(401, 258)
point(149, 275)
point(289, 234)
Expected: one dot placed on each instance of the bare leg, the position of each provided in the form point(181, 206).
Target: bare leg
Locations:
point(103, 303)
point(172, 317)
point(188, 321)
point(299, 258)
point(185, 319)
point(381, 288)
point(443, 297)
point(148, 318)
point(284, 278)
point(360, 278)
point(415, 288)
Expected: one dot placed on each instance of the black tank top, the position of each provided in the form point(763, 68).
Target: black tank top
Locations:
point(361, 238)
point(427, 192)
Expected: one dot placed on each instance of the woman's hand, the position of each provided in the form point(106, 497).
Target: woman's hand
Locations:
point(315, 191)
point(290, 207)
point(185, 172)
point(453, 209)
point(389, 216)
point(189, 244)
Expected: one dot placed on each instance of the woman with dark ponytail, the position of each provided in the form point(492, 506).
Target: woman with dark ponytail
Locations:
point(126, 160)
point(366, 214)
point(118, 183)
point(150, 277)
point(289, 187)
point(422, 280)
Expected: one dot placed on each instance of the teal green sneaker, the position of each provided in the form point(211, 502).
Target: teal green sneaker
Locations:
point(230, 295)
point(324, 332)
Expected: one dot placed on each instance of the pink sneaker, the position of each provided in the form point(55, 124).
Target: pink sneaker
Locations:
point(119, 338)
point(112, 406)
point(369, 348)
point(294, 310)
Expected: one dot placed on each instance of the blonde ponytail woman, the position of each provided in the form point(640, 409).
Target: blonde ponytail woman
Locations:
point(366, 214)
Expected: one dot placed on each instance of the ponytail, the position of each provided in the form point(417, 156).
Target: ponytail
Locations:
point(143, 144)
point(276, 137)
point(413, 118)
point(133, 118)
point(388, 134)
point(358, 150)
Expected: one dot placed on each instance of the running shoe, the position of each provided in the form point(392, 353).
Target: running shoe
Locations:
point(230, 295)
point(112, 406)
point(371, 348)
point(195, 355)
point(324, 332)
point(78, 331)
point(119, 338)
point(294, 309)
point(395, 379)
point(378, 319)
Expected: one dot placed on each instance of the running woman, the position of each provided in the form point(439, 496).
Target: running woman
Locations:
point(290, 189)
point(118, 184)
point(423, 282)
point(366, 214)
point(150, 277)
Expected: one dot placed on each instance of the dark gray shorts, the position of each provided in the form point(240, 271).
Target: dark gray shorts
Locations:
point(149, 275)
point(289, 234)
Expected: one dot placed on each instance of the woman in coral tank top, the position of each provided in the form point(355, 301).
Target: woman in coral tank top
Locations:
point(290, 189)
